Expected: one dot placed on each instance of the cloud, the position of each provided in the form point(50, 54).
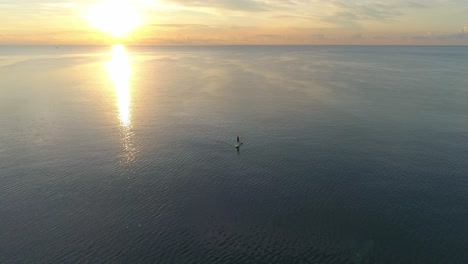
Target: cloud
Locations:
point(465, 29)
point(287, 17)
point(432, 37)
point(346, 13)
point(365, 10)
point(197, 26)
point(422, 37)
point(381, 10)
point(34, 8)
point(380, 37)
point(458, 36)
point(279, 6)
point(358, 36)
point(269, 36)
point(343, 12)
point(242, 5)
point(318, 36)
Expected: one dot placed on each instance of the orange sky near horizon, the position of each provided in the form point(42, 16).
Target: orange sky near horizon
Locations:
point(210, 22)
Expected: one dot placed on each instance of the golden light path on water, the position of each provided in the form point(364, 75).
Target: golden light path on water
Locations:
point(120, 72)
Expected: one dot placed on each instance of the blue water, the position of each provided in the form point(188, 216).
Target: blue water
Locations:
point(126, 155)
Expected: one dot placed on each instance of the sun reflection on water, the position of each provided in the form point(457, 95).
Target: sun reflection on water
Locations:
point(119, 69)
point(120, 72)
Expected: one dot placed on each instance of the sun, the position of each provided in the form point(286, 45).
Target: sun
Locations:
point(114, 17)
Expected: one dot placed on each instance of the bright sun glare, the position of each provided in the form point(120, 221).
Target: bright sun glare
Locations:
point(114, 17)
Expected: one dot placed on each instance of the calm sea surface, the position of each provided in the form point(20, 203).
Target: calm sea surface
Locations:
point(126, 154)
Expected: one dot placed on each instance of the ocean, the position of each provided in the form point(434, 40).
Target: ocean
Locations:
point(351, 154)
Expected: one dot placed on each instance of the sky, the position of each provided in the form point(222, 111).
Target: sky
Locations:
point(226, 22)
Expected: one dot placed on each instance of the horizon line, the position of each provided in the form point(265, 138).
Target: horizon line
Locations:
point(214, 45)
